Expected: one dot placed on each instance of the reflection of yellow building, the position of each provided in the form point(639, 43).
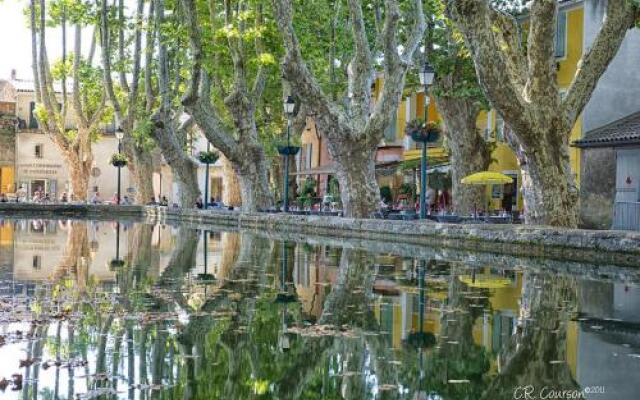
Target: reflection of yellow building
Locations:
point(313, 271)
point(399, 316)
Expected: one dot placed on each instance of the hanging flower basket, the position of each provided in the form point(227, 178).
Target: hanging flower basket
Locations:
point(421, 132)
point(119, 160)
point(116, 264)
point(208, 157)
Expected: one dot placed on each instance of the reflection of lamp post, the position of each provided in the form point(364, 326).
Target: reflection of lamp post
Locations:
point(284, 296)
point(422, 338)
point(205, 276)
point(117, 263)
point(284, 344)
point(426, 79)
point(120, 136)
point(287, 151)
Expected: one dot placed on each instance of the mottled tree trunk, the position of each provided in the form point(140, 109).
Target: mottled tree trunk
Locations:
point(523, 88)
point(141, 170)
point(356, 173)
point(79, 163)
point(231, 195)
point(548, 183)
point(76, 249)
point(252, 178)
point(469, 151)
point(353, 136)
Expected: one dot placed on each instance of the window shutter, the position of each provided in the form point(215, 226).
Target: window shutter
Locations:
point(561, 34)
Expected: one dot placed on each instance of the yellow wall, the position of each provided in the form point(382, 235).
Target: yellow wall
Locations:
point(504, 158)
point(6, 180)
point(575, 31)
point(6, 235)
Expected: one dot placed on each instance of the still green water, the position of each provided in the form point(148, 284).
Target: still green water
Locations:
point(108, 310)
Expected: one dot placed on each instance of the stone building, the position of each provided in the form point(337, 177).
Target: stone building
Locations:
point(30, 160)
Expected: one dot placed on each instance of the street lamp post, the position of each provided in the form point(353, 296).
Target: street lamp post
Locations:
point(287, 151)
point(206, 179)
point(120, 136)
point(426, 79)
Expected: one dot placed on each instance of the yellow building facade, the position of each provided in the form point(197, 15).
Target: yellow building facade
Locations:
point(569, 49)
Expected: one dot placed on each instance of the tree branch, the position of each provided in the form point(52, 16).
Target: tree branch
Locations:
point(261, 76)
point(212, 126)
point(148, 58)
point(121, 53)
point(296, 71)
point(415, 36)
point(106, 60)
point(135, 79)
point(395, 67)
point(195, 42)
point(77, 103)
point(621, 16)
point(361, 66)
point(541, 82)
point(477, 21)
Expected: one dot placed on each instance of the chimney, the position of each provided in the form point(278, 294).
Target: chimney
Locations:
point(14, 75)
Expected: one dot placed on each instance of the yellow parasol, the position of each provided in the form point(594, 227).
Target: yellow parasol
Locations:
point(487, 178)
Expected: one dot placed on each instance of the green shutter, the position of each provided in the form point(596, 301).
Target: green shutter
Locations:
point(561, 34)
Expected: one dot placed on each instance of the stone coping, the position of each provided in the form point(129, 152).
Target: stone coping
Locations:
point(609, 247)
point(32, 210)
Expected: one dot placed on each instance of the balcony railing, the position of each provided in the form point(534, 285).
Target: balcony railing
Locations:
point(626, 216)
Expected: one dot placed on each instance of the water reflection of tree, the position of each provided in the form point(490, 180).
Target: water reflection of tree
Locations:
point(230, 345)
point(536, 354)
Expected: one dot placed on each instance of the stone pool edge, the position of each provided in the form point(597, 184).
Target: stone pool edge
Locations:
point(618, 247)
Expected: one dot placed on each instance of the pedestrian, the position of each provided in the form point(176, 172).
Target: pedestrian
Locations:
point(63, 198)
point(199, 202)
point(95, 199)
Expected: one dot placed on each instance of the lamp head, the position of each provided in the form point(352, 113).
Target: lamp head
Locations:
point(427, 74)
point(289, 106)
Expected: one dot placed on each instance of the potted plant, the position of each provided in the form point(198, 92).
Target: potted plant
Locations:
point(421, 132)
point(208, 157)
point(118, 160)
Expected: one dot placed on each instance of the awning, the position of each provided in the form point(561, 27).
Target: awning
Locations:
point(432, 152)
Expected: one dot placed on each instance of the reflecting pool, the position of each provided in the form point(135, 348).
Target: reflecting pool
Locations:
point(124, 310)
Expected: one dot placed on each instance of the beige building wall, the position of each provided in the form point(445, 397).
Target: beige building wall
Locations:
point(40, 164)
point(23, 109)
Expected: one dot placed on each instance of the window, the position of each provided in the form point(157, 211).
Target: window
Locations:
point(308, 155)
point(33, 122)
point(390, 132)
point(37, 262)
point(38, 151)
point(561, 35)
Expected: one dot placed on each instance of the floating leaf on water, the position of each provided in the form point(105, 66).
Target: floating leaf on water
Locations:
point(458, 381)
point(387, 386)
